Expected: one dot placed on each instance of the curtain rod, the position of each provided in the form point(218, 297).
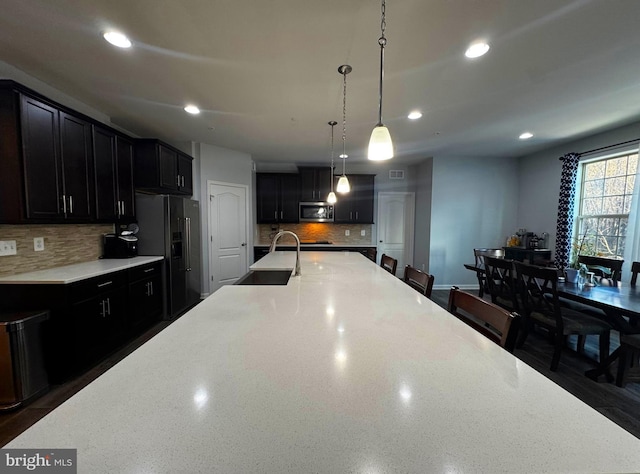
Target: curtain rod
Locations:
point(635, 140)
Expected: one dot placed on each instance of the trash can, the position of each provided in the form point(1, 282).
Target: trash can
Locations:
point(22, 370)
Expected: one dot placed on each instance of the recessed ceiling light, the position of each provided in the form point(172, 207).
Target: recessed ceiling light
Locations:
point(525, 136)
point(477, 49)
point(415, 115)
point(117, 39)
point(192, 109)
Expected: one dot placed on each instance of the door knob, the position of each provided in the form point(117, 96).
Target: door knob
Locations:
point(381, 241)
point(244, 244)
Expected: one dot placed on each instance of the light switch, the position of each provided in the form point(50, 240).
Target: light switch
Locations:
point(363, 233)
point(347, 232)
point(38, 244)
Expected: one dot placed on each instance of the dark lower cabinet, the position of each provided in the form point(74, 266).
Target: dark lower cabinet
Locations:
point(145, 296)
point(90, 318)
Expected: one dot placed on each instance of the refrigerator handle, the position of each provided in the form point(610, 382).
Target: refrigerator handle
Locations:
point(187, 221)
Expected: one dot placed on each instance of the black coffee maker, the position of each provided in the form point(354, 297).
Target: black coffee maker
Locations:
point(124, 245)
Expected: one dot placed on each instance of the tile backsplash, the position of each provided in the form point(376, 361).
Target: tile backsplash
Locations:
point(317, 231)
point(63, 245)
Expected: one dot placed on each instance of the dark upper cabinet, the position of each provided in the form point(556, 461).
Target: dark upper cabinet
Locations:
point(315, 184)
point(277, 197)
point(46, 160)
point(76, 153)
point(356, 206)
point(161, 168)
point(113, 164)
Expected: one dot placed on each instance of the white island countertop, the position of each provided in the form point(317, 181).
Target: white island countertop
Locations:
point(77, 271)
point(344, 369)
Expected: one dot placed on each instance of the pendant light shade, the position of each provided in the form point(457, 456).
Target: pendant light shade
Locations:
point(331, 198)
point(343, 185)
point(380, 144)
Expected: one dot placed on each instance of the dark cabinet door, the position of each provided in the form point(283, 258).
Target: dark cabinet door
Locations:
point(267, 197)
point(98, 324)
point(104, 151)
point(75, 150)
point(145, 303)
point(289, 198)
point(41, 160)
point(185, 174)
point(356, 206)
point(168, 168)
point(124, 183)
point(315, 184)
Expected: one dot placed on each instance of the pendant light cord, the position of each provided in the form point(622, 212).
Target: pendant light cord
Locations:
point(333, 124)
point(344, 117)
point(382, 41)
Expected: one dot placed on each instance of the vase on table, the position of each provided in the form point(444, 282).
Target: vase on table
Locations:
point(572, 275)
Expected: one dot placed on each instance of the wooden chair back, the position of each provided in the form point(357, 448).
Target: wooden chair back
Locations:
point(480, 253)
point(635, 269)
point(389, 263)
point(418, 280)
point(502, 282)
point(604, 267)
point(494, 322)
point(372, 254)
point(539, 291)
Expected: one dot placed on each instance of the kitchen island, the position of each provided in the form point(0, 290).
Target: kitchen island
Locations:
point(344, 369)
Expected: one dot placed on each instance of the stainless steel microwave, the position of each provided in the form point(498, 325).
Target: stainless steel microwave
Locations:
point(316, 212)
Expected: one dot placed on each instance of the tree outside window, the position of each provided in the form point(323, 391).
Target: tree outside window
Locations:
point(605, 202)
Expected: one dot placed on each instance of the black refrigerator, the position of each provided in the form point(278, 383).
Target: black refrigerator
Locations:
point(170, 226)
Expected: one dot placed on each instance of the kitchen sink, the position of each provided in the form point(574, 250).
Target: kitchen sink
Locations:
point(265, 277)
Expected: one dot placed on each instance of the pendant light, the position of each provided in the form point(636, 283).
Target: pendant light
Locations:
point(380, 144)
point(331, 198)
point(343, 182)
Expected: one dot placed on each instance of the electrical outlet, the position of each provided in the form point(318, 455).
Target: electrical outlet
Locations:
point(363, 233)
point(7, 247)
point(423, 267)
point(347, 232)
point(38, 244)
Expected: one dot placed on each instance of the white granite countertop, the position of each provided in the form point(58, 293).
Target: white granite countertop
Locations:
point(344, 369)
point(76, 272)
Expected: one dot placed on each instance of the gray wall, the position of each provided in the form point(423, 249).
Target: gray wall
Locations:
point(227, 166)
point(474, 204)
point(539, 178)
point(420, 177)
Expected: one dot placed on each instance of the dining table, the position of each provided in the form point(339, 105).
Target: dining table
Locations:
point(620, 303)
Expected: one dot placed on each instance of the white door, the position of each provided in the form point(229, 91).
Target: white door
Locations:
point(227, 234)
point(396, 216)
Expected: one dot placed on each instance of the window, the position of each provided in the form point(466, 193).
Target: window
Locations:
point(605, 201)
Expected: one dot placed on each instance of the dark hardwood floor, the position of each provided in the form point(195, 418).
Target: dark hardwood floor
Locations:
point(621, 405)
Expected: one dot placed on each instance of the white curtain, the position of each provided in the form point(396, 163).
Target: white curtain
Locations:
point(632, 242)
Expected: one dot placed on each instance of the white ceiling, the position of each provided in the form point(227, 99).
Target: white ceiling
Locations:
point(264, 72)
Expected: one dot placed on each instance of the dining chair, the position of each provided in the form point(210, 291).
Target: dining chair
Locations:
point(480, 254)
point(501, 282)
point(418, 280)
point(604, 267)
point(541, 306)
point(629, 359)
point(494, 322)
point(389, 263)
point(371, 254)
point(635, 269)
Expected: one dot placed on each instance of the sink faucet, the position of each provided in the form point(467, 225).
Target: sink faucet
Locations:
point(275, 240)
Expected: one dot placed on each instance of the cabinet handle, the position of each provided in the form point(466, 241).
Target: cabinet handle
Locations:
point(105, 284)
point(150, 288)
point(183, 181)
point(178, 180)
point(102, 312)
point(281, 215)
point(146, 287)
point(64, 204)
point(70, 204)
point(357, 218)
point(350, 215)
point(108, 306)
point(149, 270)
point(123, 208)
point(275, 215)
